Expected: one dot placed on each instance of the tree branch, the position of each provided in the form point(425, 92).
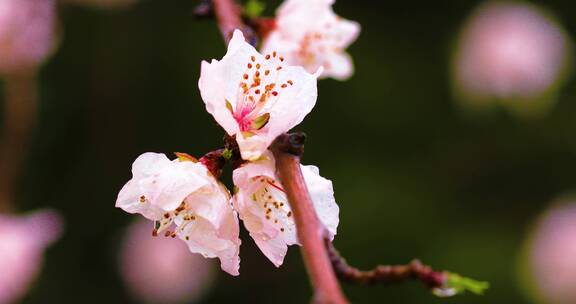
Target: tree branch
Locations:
point(228, 15)
point(386, 274)
point(19, 115)
point(441, 283)
point(287, 149)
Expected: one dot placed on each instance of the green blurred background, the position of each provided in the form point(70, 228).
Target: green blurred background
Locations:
point(413, 176)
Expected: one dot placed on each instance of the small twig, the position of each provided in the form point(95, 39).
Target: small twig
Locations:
point(386, 274)
point(262, 25)
point(310, 232)
point(203, 9)
point(19, 115)
point(229, 17)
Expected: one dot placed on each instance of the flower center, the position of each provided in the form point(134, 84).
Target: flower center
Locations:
point(271, 199)
point(183, 213)
point(258, 90)
point(316, 46)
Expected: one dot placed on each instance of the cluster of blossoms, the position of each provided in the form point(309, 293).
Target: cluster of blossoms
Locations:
point(255, 98)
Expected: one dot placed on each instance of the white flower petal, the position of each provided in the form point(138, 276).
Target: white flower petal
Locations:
point(159, 185)
point(339, 66)
point(219, 81)
point(345, 32)
point(274, 249)
point(149, 163)
point(322, 194)
point(204, 238)
point(294, 102)
point(295, 17)
point(252, 147)
point(131, 200)
point(214, 230)
point(169, 187)
point(213, 81)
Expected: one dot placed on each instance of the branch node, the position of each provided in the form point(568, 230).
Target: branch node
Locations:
point(204, 10)
point(214, 161)
point(292, 143)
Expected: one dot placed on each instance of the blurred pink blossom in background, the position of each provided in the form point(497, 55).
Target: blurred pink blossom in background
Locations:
point(23, 240)
point(510, 52)
point(552, 255)
point(26, 33)
point(162, 270)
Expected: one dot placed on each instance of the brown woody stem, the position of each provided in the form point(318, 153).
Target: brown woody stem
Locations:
point(228, 14)
point(386, 274)
point(19, 115)
point(287, 149)
point(214, 161)
point(203, 9)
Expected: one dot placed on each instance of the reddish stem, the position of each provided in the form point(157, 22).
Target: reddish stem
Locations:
point(214, 162)
point(19, 113)
point(386, 274)
point(228, 15)
point(310, 231)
